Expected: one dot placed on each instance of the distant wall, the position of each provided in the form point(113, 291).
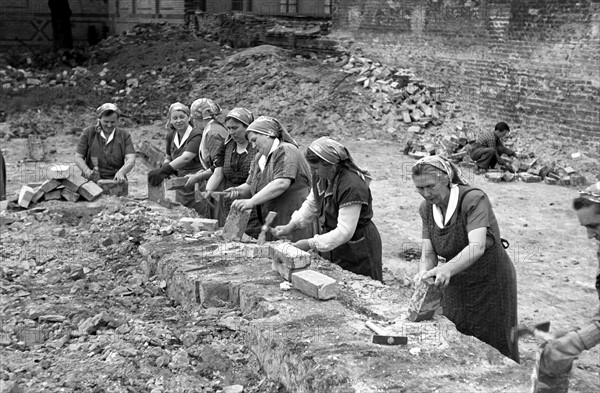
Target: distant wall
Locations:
point(314, 8)
point(124, 14)
point(28, 21)
point(533, 62)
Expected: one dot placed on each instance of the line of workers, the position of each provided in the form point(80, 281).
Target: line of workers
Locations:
point(324, 202)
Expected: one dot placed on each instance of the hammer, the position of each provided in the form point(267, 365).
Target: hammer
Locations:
point(539, 331)
point(263, 231)
point(381, 337)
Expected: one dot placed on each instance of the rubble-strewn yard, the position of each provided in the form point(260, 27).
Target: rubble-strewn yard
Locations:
point(80, 314)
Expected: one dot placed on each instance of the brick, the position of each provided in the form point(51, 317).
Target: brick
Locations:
point(256, 251)
point(73, 182)
point(235, 224)
point(315, 284)
point(156, 194)
point(69, 195)
point(112, 187)
point(90, 191)
point(39, 193)
point(290, 256)
point(176, 183)
point(426, 299)
point(529, 178)
point(578, 179)
point(53, 195)
point(213, 293)
point(550, 180)
point(50, 185)
point(493, 177)
point(25, 196)
point(59, 171)
point(34, 185)
point(509, 177)
point(199, 224)
point(283, 270)
point(565, 181)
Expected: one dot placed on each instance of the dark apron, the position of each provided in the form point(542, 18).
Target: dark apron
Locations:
point(482, 299)
point(187, 197)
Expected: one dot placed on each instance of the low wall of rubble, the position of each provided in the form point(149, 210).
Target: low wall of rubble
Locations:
point(313, 345)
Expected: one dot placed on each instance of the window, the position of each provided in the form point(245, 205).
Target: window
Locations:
point(288, 6)
point(237, 5)
point(327, 8)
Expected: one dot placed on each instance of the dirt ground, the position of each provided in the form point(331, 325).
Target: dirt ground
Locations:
point(555, 262)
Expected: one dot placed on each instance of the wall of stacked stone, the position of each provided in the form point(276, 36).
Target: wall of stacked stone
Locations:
point(530, 62)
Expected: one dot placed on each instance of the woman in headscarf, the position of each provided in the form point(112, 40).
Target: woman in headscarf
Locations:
point(279, 178)
point(233, 163)
point(182, 146)
point(341, 198)
point(104, 150)
point(479, 278)
point(213, 134)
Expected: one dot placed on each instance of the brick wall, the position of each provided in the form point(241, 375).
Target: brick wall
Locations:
point(314, 8)
point(125, 14)
point(530, 62)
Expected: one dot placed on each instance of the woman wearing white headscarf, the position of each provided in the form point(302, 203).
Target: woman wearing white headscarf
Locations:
point(341, 198)
point(182, 145)
point(479, 278)
point(279, 178)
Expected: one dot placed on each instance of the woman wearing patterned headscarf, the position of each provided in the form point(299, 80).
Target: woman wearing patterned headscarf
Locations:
point(480, 280)
point(213, 133)
point(233, 162)
point(341, 198)
point(279, 178)
point(182, 145)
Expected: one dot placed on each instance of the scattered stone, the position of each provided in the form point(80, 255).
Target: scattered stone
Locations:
point(199, 224)
point(233, 389)
point(180, 359)
point(52, 318)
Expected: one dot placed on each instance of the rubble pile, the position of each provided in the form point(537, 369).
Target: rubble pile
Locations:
point(79, 313)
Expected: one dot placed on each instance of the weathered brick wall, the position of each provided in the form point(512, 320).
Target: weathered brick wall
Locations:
point(531, 62)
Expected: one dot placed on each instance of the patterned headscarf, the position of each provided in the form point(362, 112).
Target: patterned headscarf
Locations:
point(107, 107)
point(592, 193)
point(271, 127)
point(205, 109)
point(334, 152)
point(242, 115)
point(178, 106)
point(454, 174)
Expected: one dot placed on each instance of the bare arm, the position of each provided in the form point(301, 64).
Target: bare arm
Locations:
point(183, 159)
point(80, 161)
point(215, 179)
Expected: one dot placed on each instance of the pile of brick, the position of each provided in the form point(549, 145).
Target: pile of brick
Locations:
point(416, 102)
point(63, 183)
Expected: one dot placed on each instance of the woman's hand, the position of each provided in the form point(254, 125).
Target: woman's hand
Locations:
point(193, 179)
point(283, 230)
point(233, 193)
point(302, 244)
point(119, 177)
point(442, 275)
point(417, 278)
point(242, 204)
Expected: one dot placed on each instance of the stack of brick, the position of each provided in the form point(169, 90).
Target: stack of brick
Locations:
point(292, 264)
point(62, 183)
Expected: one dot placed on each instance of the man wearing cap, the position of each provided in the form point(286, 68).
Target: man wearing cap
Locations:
point(551, 374)
point(488, 148)
point(104, 151)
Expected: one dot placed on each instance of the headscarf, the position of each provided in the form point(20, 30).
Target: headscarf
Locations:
point(242, 115)
point(592, 193)
point(334, 152)
point(205, 108)
point(107, 107)
point(271, 127)
point(454, 174)
point(178, 106)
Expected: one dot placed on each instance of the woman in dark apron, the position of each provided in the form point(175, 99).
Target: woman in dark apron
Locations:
point(182, 146)
point(279, 178)
point(341, 198)
point(233, 163)
point(479, 278)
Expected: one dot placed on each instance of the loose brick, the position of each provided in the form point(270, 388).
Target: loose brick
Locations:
point(315, 284)
point(283, 270)
point(199, 224)
point(39, 193)
point(25, 196)
point(425, 301)
point(578, 179)
point(176, 183)
point(292, 257)
point(69, 195)
point(529, 178)
point(73, 182)
point(59, 171)
point(550, 180)
point(508, 177)
point(50, 185)
point(235, 225)
point(90, 191)
point(53, 195)
point(112, 187)
point(156, 194)
point(493, 177)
